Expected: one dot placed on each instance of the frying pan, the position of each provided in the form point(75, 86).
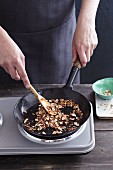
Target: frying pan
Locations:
point(29, 103)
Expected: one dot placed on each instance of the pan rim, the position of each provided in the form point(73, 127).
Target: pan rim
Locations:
point(47, 89)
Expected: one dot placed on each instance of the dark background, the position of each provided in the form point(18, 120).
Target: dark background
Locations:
point(101, 64)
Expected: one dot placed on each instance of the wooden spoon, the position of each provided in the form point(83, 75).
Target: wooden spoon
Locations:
point(43, 101)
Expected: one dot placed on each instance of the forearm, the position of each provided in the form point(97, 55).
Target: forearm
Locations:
point(2, 31)
point(85, 38)
point(88, 11)
point(12, 59)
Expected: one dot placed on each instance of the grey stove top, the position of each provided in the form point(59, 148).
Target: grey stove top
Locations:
point(12, 142)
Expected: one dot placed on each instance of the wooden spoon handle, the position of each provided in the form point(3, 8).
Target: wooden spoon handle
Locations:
point(31, 88)
point(42, 100)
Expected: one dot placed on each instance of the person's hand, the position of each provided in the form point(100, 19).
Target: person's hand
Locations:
point(84, 41)
point(12, 59)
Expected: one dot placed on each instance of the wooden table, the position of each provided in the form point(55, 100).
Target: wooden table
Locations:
point(101, 157)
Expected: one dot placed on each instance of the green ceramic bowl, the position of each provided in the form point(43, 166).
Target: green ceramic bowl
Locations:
point(101, 86)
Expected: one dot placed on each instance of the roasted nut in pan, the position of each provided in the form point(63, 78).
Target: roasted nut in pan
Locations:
point(60, 122)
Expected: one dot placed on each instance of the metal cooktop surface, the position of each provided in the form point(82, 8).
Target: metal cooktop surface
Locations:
point(12, 142)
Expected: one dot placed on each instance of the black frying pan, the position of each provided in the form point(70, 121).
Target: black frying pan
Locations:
point(66, 92)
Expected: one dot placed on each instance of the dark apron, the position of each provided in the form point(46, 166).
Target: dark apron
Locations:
point(43, 29)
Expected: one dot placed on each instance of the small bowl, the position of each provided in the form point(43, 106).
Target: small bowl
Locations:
point(101, 86)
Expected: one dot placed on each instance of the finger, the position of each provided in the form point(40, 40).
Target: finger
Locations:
point(92, 49)
point(23, 60)
point(23, 75)
point(74, 52)
point(88, 54)
point(14, 74)
point(6, 69)
point(94, 46)
point(91, 52)
point(82, 56)
point(17, 75)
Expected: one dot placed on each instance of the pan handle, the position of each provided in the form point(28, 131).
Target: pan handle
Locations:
point(73, 73)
